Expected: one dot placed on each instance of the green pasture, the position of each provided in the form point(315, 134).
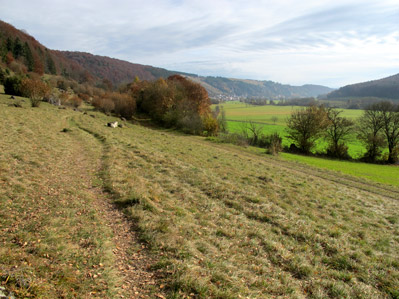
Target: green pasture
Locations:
point(386, 174)
point(263, 114)
point(237, 114)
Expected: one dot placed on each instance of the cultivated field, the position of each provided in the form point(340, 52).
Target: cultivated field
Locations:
point(273, 119)
point(221, 221)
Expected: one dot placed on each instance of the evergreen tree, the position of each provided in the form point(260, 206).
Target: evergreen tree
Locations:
point(29, 57)
point(9, 44)
point(3, 50)
point(50, 65)
point(18, 49)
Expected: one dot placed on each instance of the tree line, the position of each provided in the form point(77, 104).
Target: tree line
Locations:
point(175, 102)
point(377, 129)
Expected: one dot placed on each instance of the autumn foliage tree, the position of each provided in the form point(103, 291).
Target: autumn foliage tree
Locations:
point(35, 90)
point(176, 102)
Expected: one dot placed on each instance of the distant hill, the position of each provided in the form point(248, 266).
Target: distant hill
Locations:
point(218, 86)
point(383, 88)
point(118, 71)
point(23, 53)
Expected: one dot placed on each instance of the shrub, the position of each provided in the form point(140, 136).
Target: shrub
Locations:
point(75, 101)
point(191, 124)
point(85, 97)
point(125, 105)
point(64, 98)
point(35, 90)
point(339, 150)
point(12, 86)
point(211, 125)
point(103, 104)
point(274, 146)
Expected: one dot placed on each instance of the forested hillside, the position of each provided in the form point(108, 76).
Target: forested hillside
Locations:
point(383, 88)
point(22, 53)
point(259, 89)
point(115, 70)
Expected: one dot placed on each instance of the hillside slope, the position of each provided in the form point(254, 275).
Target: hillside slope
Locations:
point(383, 88)
point(117, 71)
point(225, 87)
point(223, 221)
point(60, 235)
point(27, 54)
point(23, 53)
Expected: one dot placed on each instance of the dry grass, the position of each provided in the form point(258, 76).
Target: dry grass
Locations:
point(229, 224)
point(54, 241)
point(224, 222)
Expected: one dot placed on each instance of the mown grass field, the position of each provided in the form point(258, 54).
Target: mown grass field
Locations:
point(223, 221)
point(238, 113)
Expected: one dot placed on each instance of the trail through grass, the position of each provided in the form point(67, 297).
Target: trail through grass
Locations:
point(224, 222)
point(57, 240)
point(232, 224)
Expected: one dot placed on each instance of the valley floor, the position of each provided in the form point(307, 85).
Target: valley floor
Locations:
point(207, 220)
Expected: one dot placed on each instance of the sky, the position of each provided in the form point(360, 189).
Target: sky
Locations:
point(332, 43)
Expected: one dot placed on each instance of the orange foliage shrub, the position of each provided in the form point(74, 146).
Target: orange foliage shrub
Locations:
point(103, 104)
point(75, 101)
point(125, 105)
point(35, 90)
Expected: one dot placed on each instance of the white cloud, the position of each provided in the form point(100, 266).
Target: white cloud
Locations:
point(326, 42)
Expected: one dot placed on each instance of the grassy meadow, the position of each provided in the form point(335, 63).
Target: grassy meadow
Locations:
point(238, 113)
point(46, 250)
point(222, 221)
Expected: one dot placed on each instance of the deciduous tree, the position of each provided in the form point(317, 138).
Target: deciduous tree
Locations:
point(370, 132)
point(337, 130)
point(379, 125)
point(390, 128)
point(305, 126)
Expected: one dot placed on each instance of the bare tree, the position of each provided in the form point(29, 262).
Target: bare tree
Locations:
point(380, 121)
point(390, 127)
point(337, 131)
point(370, 132)
point(305, 126)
